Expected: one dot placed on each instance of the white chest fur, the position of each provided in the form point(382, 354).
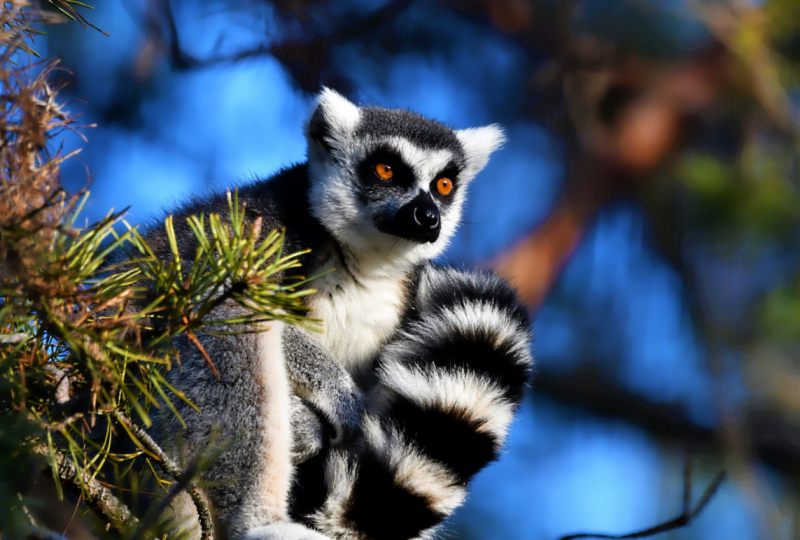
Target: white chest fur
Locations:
point(359, 314)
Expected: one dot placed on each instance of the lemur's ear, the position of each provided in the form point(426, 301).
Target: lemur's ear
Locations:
point(478, 144)
point(334, 119)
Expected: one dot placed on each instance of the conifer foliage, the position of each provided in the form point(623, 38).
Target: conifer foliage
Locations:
point(81, 369)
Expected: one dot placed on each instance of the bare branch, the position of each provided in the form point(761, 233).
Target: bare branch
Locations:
point(681, 521)
point(310, 50)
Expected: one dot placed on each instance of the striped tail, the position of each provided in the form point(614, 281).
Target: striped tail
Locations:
point(447, 391)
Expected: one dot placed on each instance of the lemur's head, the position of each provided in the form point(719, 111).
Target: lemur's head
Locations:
point(388, 181)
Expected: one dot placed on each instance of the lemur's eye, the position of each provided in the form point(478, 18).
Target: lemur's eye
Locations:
point(444, 186)
point(384, 171)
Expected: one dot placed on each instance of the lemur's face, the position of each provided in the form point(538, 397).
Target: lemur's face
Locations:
point(391, 181)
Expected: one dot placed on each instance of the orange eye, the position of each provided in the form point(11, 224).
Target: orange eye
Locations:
point(384, 171)
point(444, 186)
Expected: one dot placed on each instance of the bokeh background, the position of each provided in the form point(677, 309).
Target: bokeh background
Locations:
point(646, 205)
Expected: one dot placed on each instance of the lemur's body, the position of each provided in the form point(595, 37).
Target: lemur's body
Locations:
point(418, 371)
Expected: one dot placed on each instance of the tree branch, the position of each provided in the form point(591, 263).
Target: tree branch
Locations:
point(184, 478)
point(97, 497)
point(62, 383)
point(181, 484)
point(304, 58)
point(681, 521)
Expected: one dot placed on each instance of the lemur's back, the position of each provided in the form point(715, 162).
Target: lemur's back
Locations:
point(281, 201)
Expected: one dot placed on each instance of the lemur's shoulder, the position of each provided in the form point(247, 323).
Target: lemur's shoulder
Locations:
point(279, 200)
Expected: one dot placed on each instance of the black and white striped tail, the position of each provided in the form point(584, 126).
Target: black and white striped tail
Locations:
point(448, 389)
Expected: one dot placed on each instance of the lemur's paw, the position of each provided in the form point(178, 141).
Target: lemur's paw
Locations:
point(453, 379)
point(283, 531)
point(348, 425)
point(308, 431)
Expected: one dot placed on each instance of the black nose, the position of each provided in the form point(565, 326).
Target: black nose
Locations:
point(417, 220)
point(426, 217)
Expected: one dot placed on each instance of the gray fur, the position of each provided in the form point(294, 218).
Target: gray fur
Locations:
point(308, 431)
point(319, 379)
point(230, 409)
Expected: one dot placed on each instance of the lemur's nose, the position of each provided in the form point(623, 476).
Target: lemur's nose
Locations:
point(426, 216)
point(418, 220)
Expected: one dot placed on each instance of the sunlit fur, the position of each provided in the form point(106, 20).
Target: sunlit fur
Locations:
point(333, 176)
point(410, 389)
point(377, 265)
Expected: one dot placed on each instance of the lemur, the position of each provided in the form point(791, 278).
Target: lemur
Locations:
point(372, 428)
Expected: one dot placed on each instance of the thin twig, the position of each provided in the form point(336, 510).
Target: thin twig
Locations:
point(203, 512)
point(681, 521)
point(182, 484)
point(193, 338)
point(74, 513)
point(181, 60)
point(97, 497)
point(61, 424)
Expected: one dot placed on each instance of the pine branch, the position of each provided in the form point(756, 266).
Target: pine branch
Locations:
point(97, 497)
point(183, 478)
point(86, 335)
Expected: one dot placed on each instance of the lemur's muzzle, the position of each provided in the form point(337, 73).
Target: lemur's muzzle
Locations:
point(417, 220)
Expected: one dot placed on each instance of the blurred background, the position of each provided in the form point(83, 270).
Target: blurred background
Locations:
point(646, 206)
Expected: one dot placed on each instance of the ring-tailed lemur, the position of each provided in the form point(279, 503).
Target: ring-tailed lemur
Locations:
point(418, 371)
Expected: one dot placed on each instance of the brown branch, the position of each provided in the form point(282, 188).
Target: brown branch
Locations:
point(534, 264)
point(193, 338)
point(98, 497)
point(182, 477)
point(62, 383)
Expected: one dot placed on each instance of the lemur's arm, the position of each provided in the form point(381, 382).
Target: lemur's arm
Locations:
point(308, 431)
point(447, 392)
point(320, 380)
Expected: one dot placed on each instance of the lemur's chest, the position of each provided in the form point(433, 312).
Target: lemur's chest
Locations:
point(359, 315)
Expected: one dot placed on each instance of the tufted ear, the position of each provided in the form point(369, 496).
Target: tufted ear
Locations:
point(478, 144)
point(334, 119)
